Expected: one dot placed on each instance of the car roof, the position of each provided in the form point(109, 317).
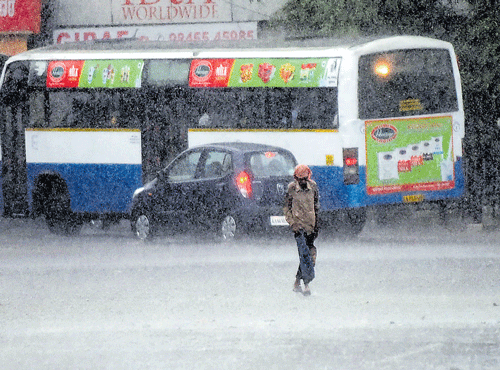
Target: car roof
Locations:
point(243, 146)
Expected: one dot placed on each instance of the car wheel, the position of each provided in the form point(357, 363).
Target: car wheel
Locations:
point(143, 226)
point(228, 228)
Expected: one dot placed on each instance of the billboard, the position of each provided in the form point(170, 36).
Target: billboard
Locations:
point(20, 16)
point(76, 13)
point(201, 32)
point(170, 11)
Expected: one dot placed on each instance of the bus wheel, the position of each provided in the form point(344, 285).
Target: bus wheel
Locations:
point(451, 215)
point(355, 220)
point(51, 198)
point(143, 226)
point(68, 225)
point(60, 219)
point(345, 223)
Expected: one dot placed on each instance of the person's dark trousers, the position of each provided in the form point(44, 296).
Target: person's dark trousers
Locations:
point(306, 266)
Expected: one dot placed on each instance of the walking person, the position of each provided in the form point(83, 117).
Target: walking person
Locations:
point(301, 212)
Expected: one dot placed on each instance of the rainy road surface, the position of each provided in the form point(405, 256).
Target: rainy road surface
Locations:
point(409, 297)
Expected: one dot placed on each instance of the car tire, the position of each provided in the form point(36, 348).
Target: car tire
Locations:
point(229, 228)
point(143, 226)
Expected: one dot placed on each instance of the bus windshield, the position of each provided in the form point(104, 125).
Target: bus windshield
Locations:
point(406, 83)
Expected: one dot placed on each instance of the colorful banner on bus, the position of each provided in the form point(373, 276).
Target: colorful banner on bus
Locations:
point(304, 72)
point(258, 72)
point(95, 73)
point(409, 155)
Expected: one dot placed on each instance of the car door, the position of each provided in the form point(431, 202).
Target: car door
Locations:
point(213, 185)
point(175, 200)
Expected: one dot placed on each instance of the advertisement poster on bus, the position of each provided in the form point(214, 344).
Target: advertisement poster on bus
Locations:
point(95, 73)
point(414, 154)
point(303, 72)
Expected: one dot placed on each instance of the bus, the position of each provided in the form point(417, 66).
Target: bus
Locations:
point(379, 122)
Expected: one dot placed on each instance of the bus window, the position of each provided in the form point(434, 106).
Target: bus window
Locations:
point(38, 73)
point(65, 108)
point(252, 108)
point(279, 112)
point(406, 83)
point(258, 108)
point(165, 72)
point(37, 109)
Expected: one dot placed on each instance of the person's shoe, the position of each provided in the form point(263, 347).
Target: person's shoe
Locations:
point(296, 286)
point(307, 291)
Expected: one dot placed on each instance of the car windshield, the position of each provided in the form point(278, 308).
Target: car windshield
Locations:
point(271, 163)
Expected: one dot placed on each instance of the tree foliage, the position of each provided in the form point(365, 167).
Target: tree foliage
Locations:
point(360, 18)
point(478, 45)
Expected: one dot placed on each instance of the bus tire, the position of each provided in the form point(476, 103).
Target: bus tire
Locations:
point(52, 199)
point(354, 221)
point(69, 225)
point(143, 225)
point(451, 215)
point(345, 223)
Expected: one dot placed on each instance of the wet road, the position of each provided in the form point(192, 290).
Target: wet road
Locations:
point(413, 296)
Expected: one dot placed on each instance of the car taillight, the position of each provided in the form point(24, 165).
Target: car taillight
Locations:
point(351, 166)
point(244, 184)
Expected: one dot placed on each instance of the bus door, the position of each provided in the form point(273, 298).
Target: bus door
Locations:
point(155, 118)
point(164, 132)
point(15, 109)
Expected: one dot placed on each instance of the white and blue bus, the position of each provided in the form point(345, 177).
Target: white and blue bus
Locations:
point(379, 122)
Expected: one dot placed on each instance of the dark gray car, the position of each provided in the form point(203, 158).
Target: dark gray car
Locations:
point(229, 188)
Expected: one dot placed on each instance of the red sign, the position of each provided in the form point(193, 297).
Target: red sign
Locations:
point(427, 186)
point(65, 73)
point(20, 15)
point(210, 72)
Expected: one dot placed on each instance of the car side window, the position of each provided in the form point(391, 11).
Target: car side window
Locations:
point(184, 168)
point(217, 164)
